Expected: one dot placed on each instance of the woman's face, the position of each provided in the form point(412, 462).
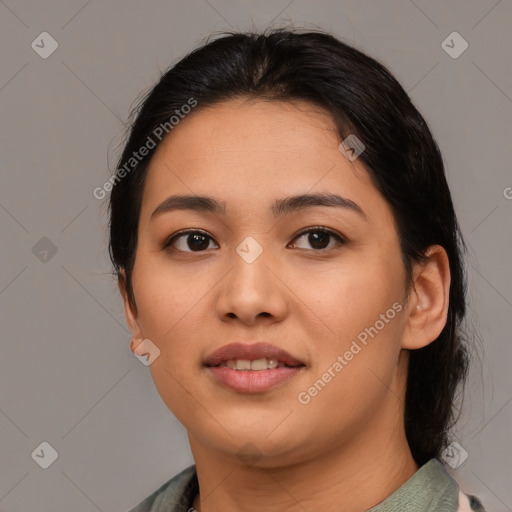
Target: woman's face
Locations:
point(256, 272)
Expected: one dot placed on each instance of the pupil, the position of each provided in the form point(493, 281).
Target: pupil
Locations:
point(197, 241)
point(317, 239)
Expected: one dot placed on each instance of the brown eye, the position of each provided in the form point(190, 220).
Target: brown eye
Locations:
point(190, 241)
point(319, 238)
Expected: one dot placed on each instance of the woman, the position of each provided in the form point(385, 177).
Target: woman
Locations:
point(290, 263)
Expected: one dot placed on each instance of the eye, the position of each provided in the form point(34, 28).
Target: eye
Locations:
point(319, 238)
point(190, 241)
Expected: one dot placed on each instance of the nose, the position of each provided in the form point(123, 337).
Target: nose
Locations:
point(252, 293)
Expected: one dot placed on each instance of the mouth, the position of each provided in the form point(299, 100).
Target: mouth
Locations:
point(252, 368)
point(256, 364)
point(255, 356)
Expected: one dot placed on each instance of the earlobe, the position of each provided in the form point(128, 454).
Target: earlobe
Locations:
point(130, 311)
point(429, 299)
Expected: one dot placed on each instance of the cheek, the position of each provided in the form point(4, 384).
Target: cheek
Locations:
point(158, 309)
point(353, 295)
point(360, 306)
point(171, 314)
point(354, 369)
point(173, 307)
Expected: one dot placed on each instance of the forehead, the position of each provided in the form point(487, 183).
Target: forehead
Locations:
point(246, 151)
point(248, 128)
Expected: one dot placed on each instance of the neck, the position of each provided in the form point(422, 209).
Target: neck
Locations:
point(353, 477)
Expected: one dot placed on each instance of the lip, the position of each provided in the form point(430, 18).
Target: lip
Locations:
point(252, 381)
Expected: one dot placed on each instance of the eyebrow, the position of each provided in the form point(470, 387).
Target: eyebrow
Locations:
point(279, 208)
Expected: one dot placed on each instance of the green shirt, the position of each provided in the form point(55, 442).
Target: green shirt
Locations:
point(430, 489)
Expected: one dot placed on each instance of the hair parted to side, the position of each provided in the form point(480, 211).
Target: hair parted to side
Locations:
point(401, 156)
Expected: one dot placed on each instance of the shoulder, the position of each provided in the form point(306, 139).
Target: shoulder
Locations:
point(175, 495)
point(430, 489)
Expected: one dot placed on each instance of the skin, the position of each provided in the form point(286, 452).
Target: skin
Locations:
point(347, 446)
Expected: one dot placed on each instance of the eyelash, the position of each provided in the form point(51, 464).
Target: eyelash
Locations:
point(314, 229)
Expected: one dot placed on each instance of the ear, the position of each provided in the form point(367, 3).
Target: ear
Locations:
point(130, 309)
point(427, 308)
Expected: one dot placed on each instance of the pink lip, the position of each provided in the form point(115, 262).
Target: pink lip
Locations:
point(252, 381)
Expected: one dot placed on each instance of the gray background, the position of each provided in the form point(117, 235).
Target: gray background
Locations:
point(67, 375)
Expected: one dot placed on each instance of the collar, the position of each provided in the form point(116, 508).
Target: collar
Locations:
point(430, 489)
